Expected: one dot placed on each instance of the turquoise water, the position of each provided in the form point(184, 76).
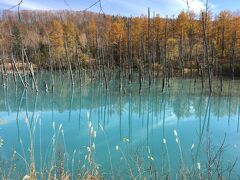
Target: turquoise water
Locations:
point(136, 123)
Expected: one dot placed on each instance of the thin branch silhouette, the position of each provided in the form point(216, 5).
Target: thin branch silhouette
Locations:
point(67, 4)
point(94, 4)
point(18, 7)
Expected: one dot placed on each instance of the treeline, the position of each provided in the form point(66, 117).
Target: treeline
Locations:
point(59, 39)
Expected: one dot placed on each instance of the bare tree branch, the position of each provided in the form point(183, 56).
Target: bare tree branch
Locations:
point(100, 6)
point(91, 5)
point(94, 4)
point(67, 4)
point(18, 7)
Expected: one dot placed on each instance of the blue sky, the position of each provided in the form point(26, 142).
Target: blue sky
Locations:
point(126, 7)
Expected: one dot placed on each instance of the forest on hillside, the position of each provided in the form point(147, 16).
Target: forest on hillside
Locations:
point(58, 39)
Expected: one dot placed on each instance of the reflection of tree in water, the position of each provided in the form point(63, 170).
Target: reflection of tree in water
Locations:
point(181, 99)
point(181, 106)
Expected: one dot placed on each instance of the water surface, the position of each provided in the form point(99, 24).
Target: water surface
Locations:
point(135, 123)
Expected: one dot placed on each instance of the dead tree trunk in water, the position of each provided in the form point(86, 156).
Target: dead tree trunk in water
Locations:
point(78, 63)
point(31, 70)
point(23, 66)
point(233, 53)
point(120, 66)
point(51, 68)
point(149, 52)
point(204, 26)
point(191, 45)
point(140, 65)
point(221, 78)
point(14, 67)
point(98, 58)
point(101, 57)
point(197, 63)
point(158, 51)
point(165, 54)
point(68, 61)
point(4, 71)
point(181, 61)
point(103, 66)
point(13, 72)
point(129, 52)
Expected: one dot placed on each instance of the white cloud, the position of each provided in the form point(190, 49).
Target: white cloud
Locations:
point(196, 5)
point(163, 7)
point(175, 6)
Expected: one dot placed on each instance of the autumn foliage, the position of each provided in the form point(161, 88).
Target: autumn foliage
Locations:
point(179, 40)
